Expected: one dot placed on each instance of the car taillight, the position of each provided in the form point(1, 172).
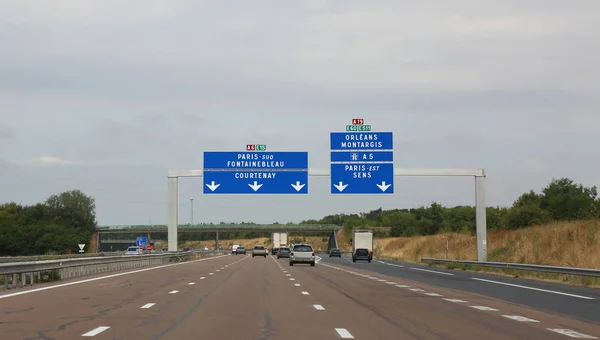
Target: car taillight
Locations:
point(291, 254)
point(313, 254)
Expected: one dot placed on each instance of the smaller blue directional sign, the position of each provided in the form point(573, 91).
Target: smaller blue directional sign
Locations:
point(361, 141)
point(361, 156)
point(255, 160)
point(255, 182)
point(362, 178)
point(141, 241)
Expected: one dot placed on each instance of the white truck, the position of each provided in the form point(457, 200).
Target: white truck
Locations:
point(279, 240)
point(362, 239)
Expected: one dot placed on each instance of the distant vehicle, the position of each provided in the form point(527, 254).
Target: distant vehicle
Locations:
point(165, 249)
point(148, 248)
point(133, 251)
point(187, 249)
point(259, 251)
point(274, 251)
point(205, 248)
point(240, 250)
point(234, 248)
point(284, 252)
point(279, 240)
point(362, 239)
point(362, 254)
point(302, 253)
point(335, 253)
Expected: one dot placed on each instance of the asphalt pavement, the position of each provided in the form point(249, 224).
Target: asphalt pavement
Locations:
point(574, 301)
point(240, 297)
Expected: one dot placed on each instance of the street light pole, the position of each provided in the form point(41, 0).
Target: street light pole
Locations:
point(192, 211)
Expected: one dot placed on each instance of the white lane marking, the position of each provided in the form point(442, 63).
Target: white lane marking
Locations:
point(395, 265)
point(532, 288)
point(318, 259)
point(456, 300)
point(217, 270)
point(484, 308)
point(391, 283)
point(292, 279)
point(174, 292)
point(417, 290)
point(297, 284)
point(380, 280)
point(571, 333)
point(343, 333)
point(432, 271)
point(288, 274)
point(519, 318)
point(305, 293)
point(104, 277)
point(191, 283)
point(433, 294)
point(202, 278)
point(380, 261)
point(318, 307)
point(211, 273)
point(148, 305)
point(96, 331)
point(402, 286)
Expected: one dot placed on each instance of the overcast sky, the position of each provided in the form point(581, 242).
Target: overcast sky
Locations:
point(105, 96)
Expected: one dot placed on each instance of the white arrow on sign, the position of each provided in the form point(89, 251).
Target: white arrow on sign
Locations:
point(81, 246)
point(298, 186)
point(383, 186)
point(340, 186)
point(255, 186)
point(212, 186)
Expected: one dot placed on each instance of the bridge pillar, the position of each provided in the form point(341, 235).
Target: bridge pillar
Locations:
point(172, 199)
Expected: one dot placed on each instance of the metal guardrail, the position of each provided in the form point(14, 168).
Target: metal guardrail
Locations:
point(22, 274)
point(9, 259)
point(520, 266)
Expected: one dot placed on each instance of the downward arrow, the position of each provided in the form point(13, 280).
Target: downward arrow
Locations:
point(255, 186)
point(212, 186)
point(298, 186)
point(383, 186)
point(340, 186)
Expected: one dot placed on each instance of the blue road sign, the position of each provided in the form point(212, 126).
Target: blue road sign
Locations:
point(361, 141)
point(362, 178)
point(361, 156)
point(256, 160)
point(141, 241)
point(255, 182)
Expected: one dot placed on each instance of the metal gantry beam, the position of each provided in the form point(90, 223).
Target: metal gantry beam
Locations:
point(480, 207)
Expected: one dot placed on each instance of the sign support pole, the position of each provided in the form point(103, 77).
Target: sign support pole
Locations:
point(480, 207)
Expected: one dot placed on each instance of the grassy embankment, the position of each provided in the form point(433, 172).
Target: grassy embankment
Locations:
point(573, 244)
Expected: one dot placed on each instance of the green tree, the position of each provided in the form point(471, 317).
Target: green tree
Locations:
point(73, 208)
point(565, 200)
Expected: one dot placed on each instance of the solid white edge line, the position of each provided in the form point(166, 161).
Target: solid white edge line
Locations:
point(456, 300)
point(432, 271)
point(537, 289)
point(571, 333)
point(148, 305)
point(96, 331)
point(343, 333)
point(104, 277)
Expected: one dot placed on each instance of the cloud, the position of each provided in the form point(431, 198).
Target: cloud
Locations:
point(109, 95)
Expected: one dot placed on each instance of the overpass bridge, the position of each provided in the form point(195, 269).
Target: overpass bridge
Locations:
point(196, 228)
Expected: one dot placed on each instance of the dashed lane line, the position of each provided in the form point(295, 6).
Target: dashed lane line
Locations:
point(148, 305)
point(484, 308)
point(343, 333)
point(519, 318)
point(305, 293)
point(174, 292)
point(319, 307)
point(571, 333)
point(95, 331)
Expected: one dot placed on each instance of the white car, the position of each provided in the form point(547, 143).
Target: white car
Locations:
point(133, 251)
point(302, 253)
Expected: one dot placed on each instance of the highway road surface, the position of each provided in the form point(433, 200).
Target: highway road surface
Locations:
point(240, 297)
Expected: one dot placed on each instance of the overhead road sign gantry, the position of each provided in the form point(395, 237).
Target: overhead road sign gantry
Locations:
point(255, 172)
point(362, 162)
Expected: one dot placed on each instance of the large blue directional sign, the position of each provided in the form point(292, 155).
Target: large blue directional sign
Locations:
point(362, 163)
point(251, 172)
point(141, 241)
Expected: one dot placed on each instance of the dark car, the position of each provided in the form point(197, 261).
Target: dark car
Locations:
point(274, 251)
point(335, 253)
point(362, 254)
point(284, 252)
point(240, 250)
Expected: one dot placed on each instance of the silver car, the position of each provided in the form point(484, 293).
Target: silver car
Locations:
point(302, 253)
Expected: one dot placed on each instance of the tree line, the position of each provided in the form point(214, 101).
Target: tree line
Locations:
point(64, 220)
point(57, 225)
point(561, 200)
